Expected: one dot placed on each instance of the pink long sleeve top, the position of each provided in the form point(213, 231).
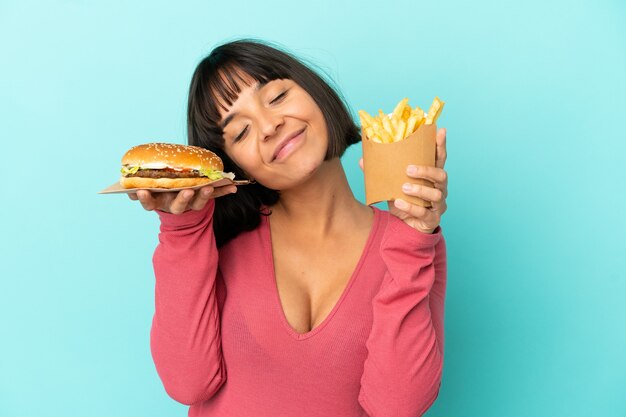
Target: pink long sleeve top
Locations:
point(221, 343)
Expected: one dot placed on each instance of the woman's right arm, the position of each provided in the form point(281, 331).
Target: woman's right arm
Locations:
point(185, 335)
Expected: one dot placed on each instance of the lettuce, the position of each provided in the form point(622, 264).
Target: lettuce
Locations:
point(129, 170)
point(212, 174)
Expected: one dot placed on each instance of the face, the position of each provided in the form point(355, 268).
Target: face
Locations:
point(276, 133)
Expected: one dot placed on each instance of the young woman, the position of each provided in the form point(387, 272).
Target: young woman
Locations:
point(289, 297)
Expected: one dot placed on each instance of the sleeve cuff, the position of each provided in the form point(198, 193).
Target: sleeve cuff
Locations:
point(399, 230)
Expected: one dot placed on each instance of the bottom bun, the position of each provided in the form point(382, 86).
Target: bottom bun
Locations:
point(139, 182)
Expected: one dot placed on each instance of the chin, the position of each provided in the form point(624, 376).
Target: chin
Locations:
point(286, 180)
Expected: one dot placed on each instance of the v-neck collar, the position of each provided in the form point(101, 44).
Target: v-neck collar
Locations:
point(267, 247)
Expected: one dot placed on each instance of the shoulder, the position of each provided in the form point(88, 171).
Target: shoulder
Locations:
point(385, 219)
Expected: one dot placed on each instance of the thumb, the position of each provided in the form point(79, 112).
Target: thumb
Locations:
point(361, 163)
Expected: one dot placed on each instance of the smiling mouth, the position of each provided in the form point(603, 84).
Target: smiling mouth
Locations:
point(286, 143)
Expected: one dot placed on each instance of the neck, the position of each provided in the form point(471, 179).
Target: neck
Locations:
point(320, 203)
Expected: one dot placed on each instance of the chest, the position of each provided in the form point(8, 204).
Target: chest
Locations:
point(311, 276)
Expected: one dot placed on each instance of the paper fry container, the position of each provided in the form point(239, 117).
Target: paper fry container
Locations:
point(384, 165)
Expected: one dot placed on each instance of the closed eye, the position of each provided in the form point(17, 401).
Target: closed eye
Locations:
point(279, 97)
point(239, 136)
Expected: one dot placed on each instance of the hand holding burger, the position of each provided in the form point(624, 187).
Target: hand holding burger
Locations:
point(177, 202)
point(164, 165)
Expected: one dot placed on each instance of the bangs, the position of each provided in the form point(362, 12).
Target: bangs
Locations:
point(227, 82)
point(224, 82)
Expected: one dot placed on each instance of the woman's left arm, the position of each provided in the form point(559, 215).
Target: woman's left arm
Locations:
point(402, 372)
point(404, 363)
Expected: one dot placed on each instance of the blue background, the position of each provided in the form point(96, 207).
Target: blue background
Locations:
point(534, 91)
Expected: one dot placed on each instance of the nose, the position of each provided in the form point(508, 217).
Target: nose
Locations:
point(269, 123)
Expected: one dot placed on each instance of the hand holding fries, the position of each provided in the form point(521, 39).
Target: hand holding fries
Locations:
point(403, 158)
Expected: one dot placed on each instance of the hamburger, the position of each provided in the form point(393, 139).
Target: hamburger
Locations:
point(168, 165)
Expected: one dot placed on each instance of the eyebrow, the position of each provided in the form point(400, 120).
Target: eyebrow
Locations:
point(230, 117)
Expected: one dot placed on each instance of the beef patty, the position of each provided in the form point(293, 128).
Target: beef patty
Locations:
point(165, 173)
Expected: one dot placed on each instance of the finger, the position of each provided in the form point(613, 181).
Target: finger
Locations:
point(146, 199)
point(424, 192)
point(225, 190)
point(202, 196)
point(443, 185)
point(133, 196)
point(361, 163)
point(441, 154)
point(208, 192)
point(444, 190)
point(424, 214)
point(442, 208)
point(433, 174)
point(181, 202)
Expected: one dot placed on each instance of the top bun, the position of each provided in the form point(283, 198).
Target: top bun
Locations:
point(172, 155)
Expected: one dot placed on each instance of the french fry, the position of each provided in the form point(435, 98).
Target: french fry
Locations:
point(434, 111)
point(366, 119)
point(394, 124)
point(397, 112)
point(406, 113)
point(387, 126)
point(419, 113)
point(385, 136)
point(377, 126)
point(410, 125)
point(400, 131)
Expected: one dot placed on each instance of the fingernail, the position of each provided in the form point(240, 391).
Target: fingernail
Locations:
point(188, 194)
point(206, 192)
point(411, 170)
point(406, 187)
point(401, 204)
